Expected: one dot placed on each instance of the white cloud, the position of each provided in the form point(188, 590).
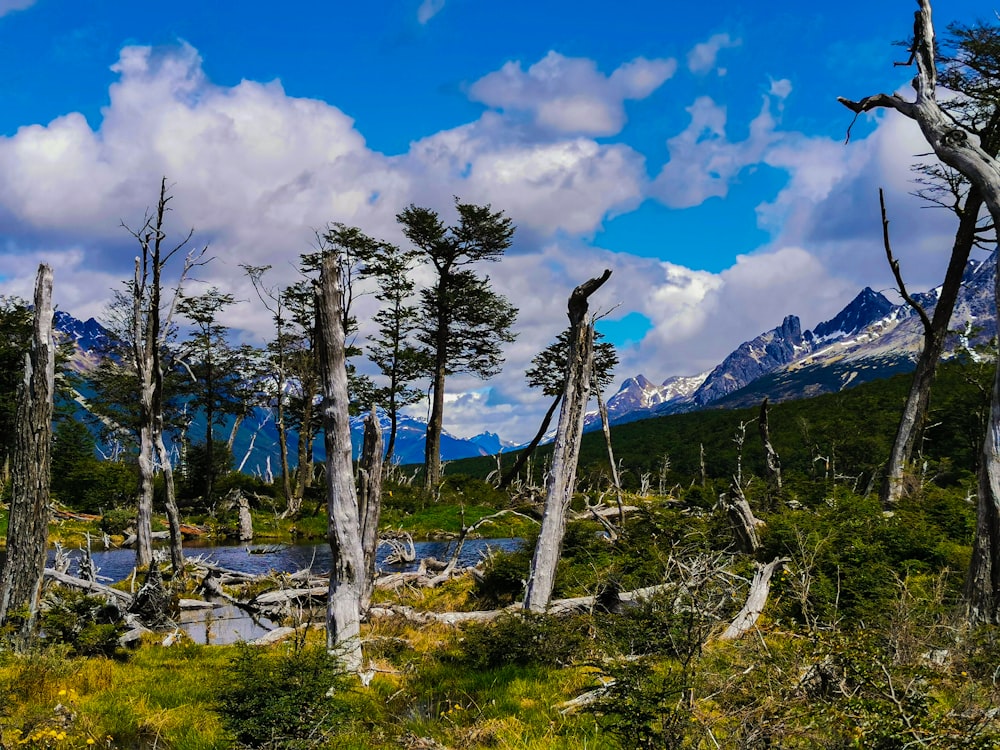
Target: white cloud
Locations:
point(563, 95)
point(9, 6)
point(702, 57)
point(703, 161)
point(428, 9)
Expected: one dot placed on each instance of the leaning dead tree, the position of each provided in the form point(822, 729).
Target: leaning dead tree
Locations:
point(566, 450)
point(960, 148)
point(28, 525)
point(347, 572)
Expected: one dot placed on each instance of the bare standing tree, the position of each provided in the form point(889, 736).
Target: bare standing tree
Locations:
point(28, 525)
point(149, 328)
point(566, 451)
point(971, 72)
point(959, 147)
point(347, 574)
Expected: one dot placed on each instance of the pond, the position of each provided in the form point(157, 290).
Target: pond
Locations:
point(226, 623)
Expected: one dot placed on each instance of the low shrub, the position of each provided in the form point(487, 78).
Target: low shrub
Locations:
point(89, 625)
point(282, 698)
point(524, 639)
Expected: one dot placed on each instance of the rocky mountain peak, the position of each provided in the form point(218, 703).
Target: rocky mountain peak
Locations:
point(868, 307)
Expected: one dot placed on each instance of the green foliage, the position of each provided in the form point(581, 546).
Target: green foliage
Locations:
point(87, 624)
point(503, 578)
point(643, 707)
point(282, 697)
point(524, 638)
point(15, 338)
point(117, 520)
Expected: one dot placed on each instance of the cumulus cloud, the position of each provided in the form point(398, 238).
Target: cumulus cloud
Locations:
point(9, 6)
point(564, 95)
point(703, 161)
point(702, 57)
point(428, 9)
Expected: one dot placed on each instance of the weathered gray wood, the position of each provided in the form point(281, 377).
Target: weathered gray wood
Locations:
point(245, 519)
point(27, 530)
point(370, 499)
point(760, 588)
point(566, 450)
point(347, 575)
point(741, 519)
point(64, 579)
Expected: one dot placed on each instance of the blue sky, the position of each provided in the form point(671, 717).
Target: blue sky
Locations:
point(695, 149)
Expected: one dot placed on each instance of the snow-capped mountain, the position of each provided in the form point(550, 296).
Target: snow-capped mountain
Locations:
point(870, 338)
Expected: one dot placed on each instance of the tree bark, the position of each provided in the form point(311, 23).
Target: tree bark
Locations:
point(566, 451)
point(343, 618)
point(524, 455)
point(432, 446)
point(962, 151)
point(370, 499)
point(27, 531)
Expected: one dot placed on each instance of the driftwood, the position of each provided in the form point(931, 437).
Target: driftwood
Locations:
point(760, 588)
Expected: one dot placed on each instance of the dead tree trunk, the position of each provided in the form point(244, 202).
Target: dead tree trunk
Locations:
point(566, 451)
point(523, 456)
point(149, 330)
point(914, 415)
point(742, 519)
point(772, 463)
point(246, 520)
point(347, 574)
point(28, 525)
point(961, 150)
point(370, 499)
point(760, 588)
point(615, 479)
point(173, 514)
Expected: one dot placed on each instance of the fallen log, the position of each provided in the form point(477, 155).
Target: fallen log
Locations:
point(91, 587)
point(760, 587)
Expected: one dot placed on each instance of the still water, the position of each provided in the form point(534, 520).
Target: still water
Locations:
point(226, 623)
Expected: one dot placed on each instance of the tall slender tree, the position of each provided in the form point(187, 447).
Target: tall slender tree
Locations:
point(464, 322)
point(150, 320)
point(561, 480)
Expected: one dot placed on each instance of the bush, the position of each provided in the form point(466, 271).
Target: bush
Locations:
point(283, 698)
point(89, 625)
point(117, 520)
point(524, 639)
point(643, 707)
point(503, 578)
